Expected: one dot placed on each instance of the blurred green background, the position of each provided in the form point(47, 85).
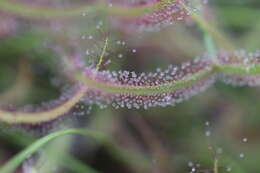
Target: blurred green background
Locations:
point(221, 123)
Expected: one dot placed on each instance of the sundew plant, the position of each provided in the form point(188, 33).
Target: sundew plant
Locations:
point(129, 86)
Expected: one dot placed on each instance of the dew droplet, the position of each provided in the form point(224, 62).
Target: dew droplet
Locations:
point(245, 139)
point(229, 169)
point(190, 163)
point(207, 133)
point(120, 55)
point(241, 155)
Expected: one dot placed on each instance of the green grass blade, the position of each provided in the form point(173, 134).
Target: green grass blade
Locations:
point(12, 164)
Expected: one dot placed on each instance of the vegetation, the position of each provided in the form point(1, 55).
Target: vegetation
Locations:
point(74, 71)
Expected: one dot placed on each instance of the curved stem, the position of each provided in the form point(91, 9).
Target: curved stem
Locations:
point(12, 164)
point(48, 12)
point(145, 90)
point(38, 117)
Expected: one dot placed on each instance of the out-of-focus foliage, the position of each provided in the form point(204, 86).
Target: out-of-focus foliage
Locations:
point(221, 124)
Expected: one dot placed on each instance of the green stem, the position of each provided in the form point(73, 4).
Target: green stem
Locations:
point(12, 164)
point(146, 90)
point(49, 12)
point(208, 40)
point(216, 165)
point(209, 43)
point(209, 28)
point(118, 153)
